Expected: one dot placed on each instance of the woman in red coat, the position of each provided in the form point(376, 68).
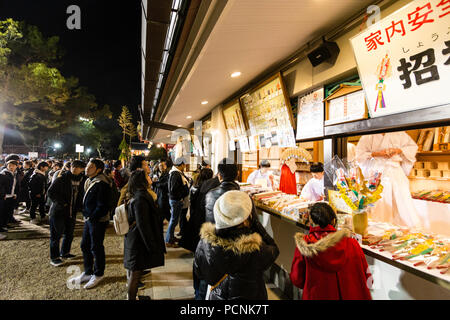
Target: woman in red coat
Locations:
point(328, 264)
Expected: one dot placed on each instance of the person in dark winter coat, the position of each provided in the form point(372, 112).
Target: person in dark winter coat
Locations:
point(191, 236)
point(178, 193)
point(115, 194)
point(20, 173)
point(234, 253)
point(66, 194)
point(329, 264)
point(161, 187)
point(3, 191)
point(144, 243)
point(37, 187)
point(227, 175)
point(204, 189)
point(25, 195)
point(96, 209)
point(11, 200)
point(118, 178)
point(137, 162)
point(10, 191)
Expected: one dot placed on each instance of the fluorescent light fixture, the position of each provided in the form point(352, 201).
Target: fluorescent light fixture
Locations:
point(204, 102)
point(236, 74)
point(188, 117)
point(176, 4)
point(165, 57)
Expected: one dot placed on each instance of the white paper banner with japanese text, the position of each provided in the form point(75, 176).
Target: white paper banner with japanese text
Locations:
point(310, 115)
point(404, 59)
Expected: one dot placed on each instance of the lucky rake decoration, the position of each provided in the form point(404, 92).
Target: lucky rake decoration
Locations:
point(383, 71)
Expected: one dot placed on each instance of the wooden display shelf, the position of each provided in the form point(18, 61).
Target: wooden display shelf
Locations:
point(420, 271)
point(428, 178)
point(433, 153)
point(432, 275)
point(277, 214)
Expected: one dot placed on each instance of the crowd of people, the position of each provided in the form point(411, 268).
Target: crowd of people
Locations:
point(216, 221)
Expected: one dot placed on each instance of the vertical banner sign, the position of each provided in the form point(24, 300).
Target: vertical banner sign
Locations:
point(404, 60)
point(310, 115)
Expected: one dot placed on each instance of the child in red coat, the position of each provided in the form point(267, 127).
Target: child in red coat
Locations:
point(328, 264)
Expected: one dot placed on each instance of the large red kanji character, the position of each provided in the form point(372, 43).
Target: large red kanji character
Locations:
point(373, 40)
point(420, 19)
point(447, 8)
point(395, 30)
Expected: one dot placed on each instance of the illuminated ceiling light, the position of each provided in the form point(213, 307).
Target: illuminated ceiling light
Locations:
point(235, 74)
point(204, 102)
point(179, 126)
point(188, 117)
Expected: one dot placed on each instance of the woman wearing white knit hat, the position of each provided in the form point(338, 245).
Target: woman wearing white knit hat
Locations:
point(234, 253)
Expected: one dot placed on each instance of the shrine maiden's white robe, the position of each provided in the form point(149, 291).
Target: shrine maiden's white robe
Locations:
point(313, 190)
point(396, 205)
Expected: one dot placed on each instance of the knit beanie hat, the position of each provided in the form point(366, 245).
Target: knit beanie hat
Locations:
point(231, 209)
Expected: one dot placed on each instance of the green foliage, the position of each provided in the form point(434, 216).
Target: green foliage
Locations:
point(125, 122)
point(9, 31)
point(125, 150)
point(34, 95)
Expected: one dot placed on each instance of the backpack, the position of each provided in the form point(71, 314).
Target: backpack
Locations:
point(120, 220)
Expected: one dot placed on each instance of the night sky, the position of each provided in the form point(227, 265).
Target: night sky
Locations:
point(104, 54)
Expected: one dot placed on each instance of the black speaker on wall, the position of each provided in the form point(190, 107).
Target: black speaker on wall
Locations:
point(326, 52)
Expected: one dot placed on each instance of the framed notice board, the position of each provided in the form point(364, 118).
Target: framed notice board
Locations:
point(234, 120)
point(267, 107)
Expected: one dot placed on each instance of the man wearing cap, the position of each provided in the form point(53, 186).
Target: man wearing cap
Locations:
point(178, 191)
point(235, 251)
point(12, 188)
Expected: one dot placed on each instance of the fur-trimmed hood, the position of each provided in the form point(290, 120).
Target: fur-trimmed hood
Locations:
point(328, 253)
point(246, 243)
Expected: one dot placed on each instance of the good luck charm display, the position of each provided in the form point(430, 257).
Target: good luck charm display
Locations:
point(358, 192)
point(383, 71)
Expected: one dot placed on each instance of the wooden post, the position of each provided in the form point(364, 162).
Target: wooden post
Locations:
point(316, 151)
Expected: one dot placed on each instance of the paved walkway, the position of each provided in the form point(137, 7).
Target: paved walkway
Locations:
point(25, 272)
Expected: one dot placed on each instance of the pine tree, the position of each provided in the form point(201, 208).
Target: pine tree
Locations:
point(35, 97)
